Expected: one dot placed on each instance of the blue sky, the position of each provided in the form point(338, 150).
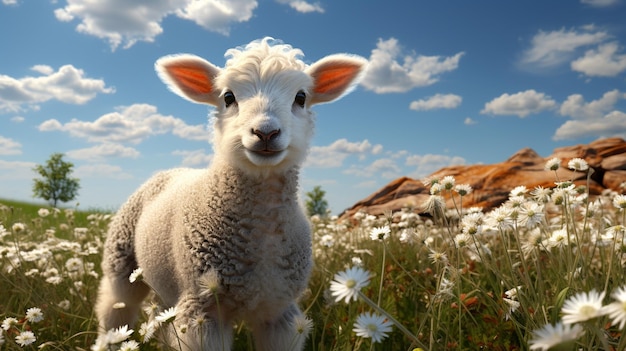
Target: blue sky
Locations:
point(449, 82)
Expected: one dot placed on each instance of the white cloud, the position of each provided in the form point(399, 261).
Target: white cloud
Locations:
point(430, 163)
point(553, 48)
point(9, 146)
point(130, 124)
point(9, 2)
point(601, 62)
point(99, 152)
point(576, 107)
point(217, 15)
point(127, 22)
point(334, 154)
point(194, 158)
point(597, 118)
point(469, 121)
point(68, 85)
point(600, 3)
point(16, 169)
point(303, 6)
point(384, 167)
point(101, 170)
point(390, 71)
point(613, 124)
point(520, 104)
point(18, 119)
point(437, 101)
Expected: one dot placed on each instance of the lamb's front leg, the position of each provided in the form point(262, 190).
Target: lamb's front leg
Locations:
point(282, 334)
point(207, 330)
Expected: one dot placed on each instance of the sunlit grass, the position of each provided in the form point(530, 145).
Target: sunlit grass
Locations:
point(459, 279)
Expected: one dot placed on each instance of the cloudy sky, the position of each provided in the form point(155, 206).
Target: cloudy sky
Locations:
point(454, 82)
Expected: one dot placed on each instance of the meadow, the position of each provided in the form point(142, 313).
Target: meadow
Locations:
point(544, 271)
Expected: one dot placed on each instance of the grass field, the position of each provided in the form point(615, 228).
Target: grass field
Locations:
point(546, 270)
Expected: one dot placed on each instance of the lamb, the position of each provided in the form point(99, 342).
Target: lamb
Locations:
point(228, 243)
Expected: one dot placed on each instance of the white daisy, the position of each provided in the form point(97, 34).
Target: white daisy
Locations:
point(166, 316)
point(619, 201)
point(617, 310)
point(136, 275)
point(9, 322)
point(116, 336)
point(380, 233)
point(347, 284)
point(552, 335)
point(130, 345)
point(553, 164)
point(25, 338)
point(583, 307)
point(463, 189)
point(578, 164)
point(34, 314)
point(372, 325)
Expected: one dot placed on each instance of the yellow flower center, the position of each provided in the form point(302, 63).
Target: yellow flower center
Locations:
point(350, 283)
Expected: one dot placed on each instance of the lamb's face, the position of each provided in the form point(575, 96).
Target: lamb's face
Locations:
point(263, 119)
point(263, 97)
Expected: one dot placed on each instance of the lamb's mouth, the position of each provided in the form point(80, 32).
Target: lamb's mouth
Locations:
point(261, 157)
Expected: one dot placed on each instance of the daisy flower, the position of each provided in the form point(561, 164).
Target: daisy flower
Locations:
point(302, 325)
point(130, 345)
point(43, 212)
point(34, 314)
point(166, 316)
point(147, 330)
point(372, 325)
point(438, 257)
point(553, 164)
point(136, 275)
point(541, 194)
point(9, 322)
point(583, 307)
point(380, 233)
point(18, 227)
point(116, 336)
point(619, 202)
point(617, 310)
point(462, 240)
point(550, 336)
point(531, 214)
point(518, 191)
point(25, 338)
point(434, 205)
point(347, 284)
point(209, 283)
point(463, 189)
point(578, 164)
point(448, 182)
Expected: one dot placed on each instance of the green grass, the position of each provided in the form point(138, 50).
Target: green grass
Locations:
point(458, 280)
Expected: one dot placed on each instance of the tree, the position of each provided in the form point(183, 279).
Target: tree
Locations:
point(315, 203)
point(55, 184)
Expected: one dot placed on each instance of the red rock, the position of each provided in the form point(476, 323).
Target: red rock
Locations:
point(492, 184)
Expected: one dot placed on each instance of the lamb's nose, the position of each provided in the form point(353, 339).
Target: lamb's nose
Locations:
point(266, 136)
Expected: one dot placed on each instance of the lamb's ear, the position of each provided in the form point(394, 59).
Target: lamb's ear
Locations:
point(189, 76)
point(334, 76)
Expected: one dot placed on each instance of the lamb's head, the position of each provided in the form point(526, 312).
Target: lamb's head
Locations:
point(263, 95)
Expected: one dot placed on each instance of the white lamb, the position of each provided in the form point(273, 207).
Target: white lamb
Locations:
point(238, 223)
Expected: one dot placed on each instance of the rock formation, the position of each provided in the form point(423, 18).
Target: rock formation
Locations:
point(492, 184)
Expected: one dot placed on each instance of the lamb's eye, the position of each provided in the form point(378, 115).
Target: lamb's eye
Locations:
point(229, 98)
point(300, 98)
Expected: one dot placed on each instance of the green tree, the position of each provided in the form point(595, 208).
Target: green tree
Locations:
point(315, 202)
point(55, 183)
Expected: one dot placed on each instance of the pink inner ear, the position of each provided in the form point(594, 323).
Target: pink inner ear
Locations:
point(190, 78)
point(335, 79)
